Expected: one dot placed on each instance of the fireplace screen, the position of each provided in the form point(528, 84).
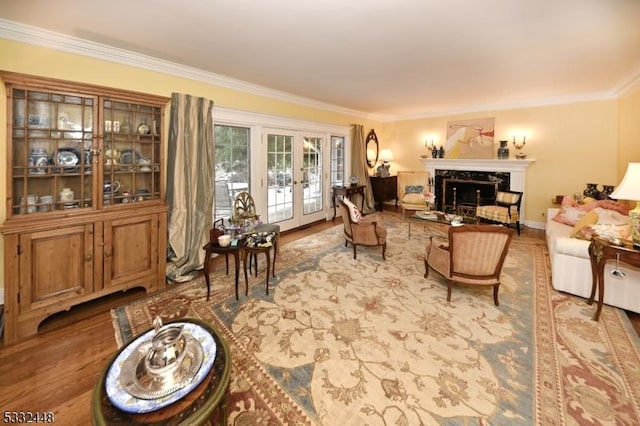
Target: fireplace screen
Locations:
point(467, 193)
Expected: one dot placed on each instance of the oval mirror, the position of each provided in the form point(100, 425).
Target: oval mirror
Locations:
point(371, 148)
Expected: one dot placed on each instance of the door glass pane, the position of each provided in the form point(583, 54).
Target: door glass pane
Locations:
point(231, 173)
point(312, 175)
point(279, 177)
point(337, 161)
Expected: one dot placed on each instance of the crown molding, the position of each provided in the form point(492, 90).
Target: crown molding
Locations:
point(44, 38)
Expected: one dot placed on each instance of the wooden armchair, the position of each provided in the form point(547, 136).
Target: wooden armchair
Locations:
point(367, 232)
point(505, 210)
point(474, 256)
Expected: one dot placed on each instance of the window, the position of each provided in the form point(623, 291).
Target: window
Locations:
point(231, 173)
point(337, 161)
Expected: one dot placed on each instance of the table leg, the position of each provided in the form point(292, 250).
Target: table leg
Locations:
point(594, 274)
point(206, 272)
point(236, 257)
point(268, 267)
point(244, 266)
point(596, 316)
point(333, 198)
point(275, 252)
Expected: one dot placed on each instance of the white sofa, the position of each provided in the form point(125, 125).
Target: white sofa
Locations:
point(571, 268)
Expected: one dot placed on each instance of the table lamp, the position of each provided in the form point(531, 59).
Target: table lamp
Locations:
point(629, 189)
point(386, 155)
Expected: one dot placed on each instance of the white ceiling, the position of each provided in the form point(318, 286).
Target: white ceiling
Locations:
point(392, 58)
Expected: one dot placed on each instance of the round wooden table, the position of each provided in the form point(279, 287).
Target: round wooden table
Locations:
point(207, 400)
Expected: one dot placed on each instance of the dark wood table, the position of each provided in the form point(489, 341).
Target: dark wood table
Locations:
point(215, 248)
point(383, 189)
point(347, 191)
point(599, 252)
point(251, 251)
point(206, 401)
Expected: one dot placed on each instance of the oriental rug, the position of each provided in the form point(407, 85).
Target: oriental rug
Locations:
point(340, 341)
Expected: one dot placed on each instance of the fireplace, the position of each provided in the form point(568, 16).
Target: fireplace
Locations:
point(468, 188)
point(508, 174)
point(461, 192)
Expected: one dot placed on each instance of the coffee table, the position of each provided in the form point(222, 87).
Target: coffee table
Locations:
point(428, 218)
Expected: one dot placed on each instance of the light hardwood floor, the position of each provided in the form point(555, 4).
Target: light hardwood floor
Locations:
point(57, 369)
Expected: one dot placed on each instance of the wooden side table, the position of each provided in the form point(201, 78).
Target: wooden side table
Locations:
point(384, 188)
point(599, 252)
point(347, 191)
point(198, 407)
point(251, 253)
point(212, 248)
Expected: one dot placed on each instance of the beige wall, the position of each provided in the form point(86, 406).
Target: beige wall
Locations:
point(572, 144)
point(628, 130)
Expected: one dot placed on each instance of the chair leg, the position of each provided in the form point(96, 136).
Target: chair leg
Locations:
point(495, 294)
point(518, 227)
point(354, 250)
point(449, 291)
point(426, 269)
point(384, 249)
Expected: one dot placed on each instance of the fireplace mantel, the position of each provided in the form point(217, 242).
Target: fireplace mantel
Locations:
point(516, 168)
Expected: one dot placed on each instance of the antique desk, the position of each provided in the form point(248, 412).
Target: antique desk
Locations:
point(599, 252)
point(347, 191)
point(198, 407)
point(384, 188)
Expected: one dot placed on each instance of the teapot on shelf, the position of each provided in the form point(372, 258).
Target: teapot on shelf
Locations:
point(111, 187)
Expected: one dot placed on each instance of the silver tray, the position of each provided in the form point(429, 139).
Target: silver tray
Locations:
point(136, 378)
point(125, 401)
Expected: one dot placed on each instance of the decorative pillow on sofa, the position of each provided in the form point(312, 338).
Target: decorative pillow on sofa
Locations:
point(605, 204)
point(610, 217)
point(355, 214)
point(612, 232)
point(582, 228)
point(569, 215)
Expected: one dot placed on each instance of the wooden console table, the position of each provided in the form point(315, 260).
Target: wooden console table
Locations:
point(599, 252)
point(384, 188)
point(347, 191)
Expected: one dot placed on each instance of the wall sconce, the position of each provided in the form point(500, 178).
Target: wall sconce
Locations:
point(518, 145)
point(383, 170)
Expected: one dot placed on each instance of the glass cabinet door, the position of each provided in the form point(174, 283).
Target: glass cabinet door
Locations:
point(51, 157)
point(131, 152)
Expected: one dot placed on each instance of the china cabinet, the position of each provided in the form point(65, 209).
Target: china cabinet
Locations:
point(85, 210)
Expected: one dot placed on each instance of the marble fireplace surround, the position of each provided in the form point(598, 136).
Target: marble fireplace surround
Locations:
point(516, 169)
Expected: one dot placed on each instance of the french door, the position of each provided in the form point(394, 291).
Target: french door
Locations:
point(295, 177)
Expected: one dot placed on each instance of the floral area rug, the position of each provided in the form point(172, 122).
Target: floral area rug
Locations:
point(340, 341)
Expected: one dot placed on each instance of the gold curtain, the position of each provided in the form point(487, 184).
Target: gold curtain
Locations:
point(190, 168)
point(359, 166)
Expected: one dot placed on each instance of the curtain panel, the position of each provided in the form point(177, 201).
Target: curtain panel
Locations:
point(359, 166)
point(190, 174)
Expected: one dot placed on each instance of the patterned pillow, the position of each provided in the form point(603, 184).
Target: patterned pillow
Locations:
point(413, 189)
point(355, 214)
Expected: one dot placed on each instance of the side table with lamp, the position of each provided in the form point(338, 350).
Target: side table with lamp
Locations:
point(629, 252)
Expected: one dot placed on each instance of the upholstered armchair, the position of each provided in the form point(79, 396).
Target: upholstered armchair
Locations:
point(365, 232)
point(474, 255)
point(505, 210)
point(411, 189)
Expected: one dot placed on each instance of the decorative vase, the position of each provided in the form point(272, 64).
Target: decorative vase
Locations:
point(591, 190)
point(503, 151)
point(606, 192)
